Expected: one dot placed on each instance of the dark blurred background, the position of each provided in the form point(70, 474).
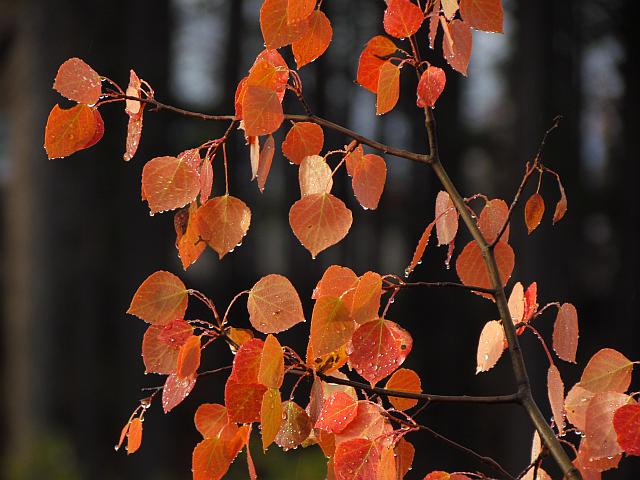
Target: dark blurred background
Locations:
point(77, 241)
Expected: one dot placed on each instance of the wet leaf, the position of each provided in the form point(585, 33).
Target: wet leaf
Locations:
point(302, 140)
point(356, 459)
point(456, 45)
point(404, 380)
point(370, 423)
point(331, 325)
point(565, 333)
point(555, 392)
point(78, 82)
point(69, 130)
point(430, 87)
point(599, 428)
point(626, 422)
point(402, 18)
point(365, 301)
point(369, 173)
point(607, 370)
point(490, 346)
point(314, 176)
point(314, 41)
point(271, 371)
point(295, 427)
point(270, 416)
point(575, 406)
point(160, 299)
point(134, 436)
point(492, 218)
point(274, 24)
point(482, 14)
point(472, 270)
point(188, 358)
point(335, 281)
point(533, 212)
point(420, 248)
point(176, 390)
point(169, 183)
point(223, 222)
point(388, 89)
point(243, 401)
point(561, 206)
point(209, 460)
point(246, 363)
point(210, 419)
point(274, 305)
point(187, 235)
point(298, 10)
point(371, 59)
point(264, 162)
point(161, 345)
point(261, 110)
point(446, 219)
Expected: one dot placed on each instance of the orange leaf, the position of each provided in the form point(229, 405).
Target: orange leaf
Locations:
point(223, 222)
point(243, 401)
point(371, 59)
point(69, 131)
point(365, 301)
point(608, 369)
point(490, 346)
point(314, 41)
point(533, 211)
point(314, 176)
point(338, 410)
point(388, 89)
point(482, 14)
point(456, 45)
point(420, 248)
point(430, 87)
point(261, 110)
point(161, 345)
point(99, 133)
point(555, 391)
point(269, 71)
point(404, 380)
point(319, 221)
point(434, 22)
point(575, 406)
point(264, 162)
point(188, 358)
point(210, 419)
point(133, 108)
point(275, 26)
point(271, 371)
point(134, 132)
point(472, 270)
point(298, 10)
point(134, 436)
point(246, 363)
point(370, 423)
point(270, 416)
point(302, 140)
point(175, 390)
point(565, 333)
point(402, 18)
point(160, 299)
point(356, 459)
point(387, 464)
point(274, 305)
point(169, 183)
point(492, 218)
point(239, 335)
point(626, 422)
point(187, 235)
point(446, 219)
point(210, 460)
point(561, 206)
point(295, 427)
point(78, 82)
point(206, 180)
point(335, 281)
point(404, 457)
point(331, 325)
point(369, 173)
point(599, 429)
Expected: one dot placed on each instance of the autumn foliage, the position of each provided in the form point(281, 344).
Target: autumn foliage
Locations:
point(351, 339)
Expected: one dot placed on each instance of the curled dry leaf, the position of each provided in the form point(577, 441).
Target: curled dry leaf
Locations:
point(533, 212)
point(490, 346)
point(314, 176)
point(302, 140)
point(565, 333)
point(371, 59)
point(79, 82)
point(402, 18)
point(160, 299)
point(388, 90)
point(274, 305)
point(314, 41)
point(223, 222)
point(430, 87)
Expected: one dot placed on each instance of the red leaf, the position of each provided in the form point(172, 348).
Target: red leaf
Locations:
point(626, 422)
point(356, 459)
point(530, 301)
point(492, 218)
point(599, 428)
point(434, 22)
point(331, 325)
point(533, 211)
point(298, 10)
point(555, 392)
point(353, 158)
point(402, 18)
point(78, 82)
point(302, 140)
point(275, 26)
point(369, 173)
point(404, 380)
point(430, 87)
point(337, 412)
point(565, 333)
point(99, 133)
point(482, 14)
point(387, 464)
point(188, 358)
point(160, 299)
point(210, 419)
point(264, 162)
point(607, 370)
point(314, 41)
point(261, 110)
point(314, 176)
point(270, 416)
point(388, 89)
point(335, 281)
point(134, 436)
point(472, 270)
point(420, 248)
point(169, 183)
point(404, 457)
point(490, 346)
point(371, 59)
point(377, 348)
point(456, 45)
point(295, 427)
point(274, 305)
point(243, 401)
point(223, 222)
point(210, 460)
point(161, 345)
point(561, 206)
point(446, 219)
point(69, 131)
point(187, 235)
point(176, 390)
point(271, 371)
point(269, 70)
point(319, 221)
point(246, 363)
point(370, 423)
point(365, 301)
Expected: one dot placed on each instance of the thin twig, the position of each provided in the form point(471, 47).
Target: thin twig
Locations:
point(437, 285)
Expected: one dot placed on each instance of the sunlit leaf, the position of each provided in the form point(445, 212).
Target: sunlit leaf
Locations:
point(492, 218)
point(99, 133)
point(430, 87)
point(134, 132)
point(365, 301)
point(319, 221)
point(331, 325)
point(561, 206)
point(402, 18)
point(134, 436)
point(246, 363)
point(449, 8)
point(388, 89)
point(472, 270)
point(69, 130)
point(302, 140)
point(404, 380)
point(434, 23)
point(575, 406)
point(516, 303)
point(239, 335)
point(456, 45)
point(276, 29)
point(298, 10)
point(607, 370)
point(271, 371)
point(599, 428)
point(295, 427)
point(169, 183)
point(209, 460)
point(188, 357)
point(160, 299)
point(626, 422)
point(270, 416)
point(264, 162)
point(405, 452)
point(356, 459)
point(78, 82)
point(274, 305)
point(243, 401)
point(371, 59)
point(314, 176)
point(187, 235)
point(338, 410)
point(369, 173)
point(314, 41)
point(223, 222)
point(270, 71)
point(446, 219)
point(210, 419)
point(387, 464)
point(555, 392)
point(490, 346)
point(420, 248)
point(261, 110)
point(335, 281)
point(565, 333)
point(175, 390)
point(161, 345)
point(482, 14)
point(533, 211)
point(370, 423)
point(133, 108)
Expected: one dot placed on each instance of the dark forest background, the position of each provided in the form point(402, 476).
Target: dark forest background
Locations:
point(77, 241)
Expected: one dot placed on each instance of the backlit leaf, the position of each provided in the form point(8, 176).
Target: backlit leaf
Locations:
point(533, 211)
point(430, 87)
point(446, 219)
point(314, 41)
point(169, 183)
point(338, 410)
point(188, 357)
point(223, 222)
point(472, 270)
point(246, 363)
point(456, 45)
point(319, 221)
point(335, 281)
point(261, 110)
point(561, 206)
point(490, 346)
point(331, 325)
point(356, 459)
point(314, 176)
point(378, 348)
point(353, 158)
point(274, 23)
point(264, 162)
point(449, 8)
point(133, 108)
point(274, 305)
point(492, 218)
point(329, 362)
point(516, 303)
point(270, 416)
point(239, 335)
point(404, 380)
point(69, 130)
point(295, 427)
point(161, 345)
point(402, 18)
point(370, 423)
point(134, 132)
point(210, 419)
point(160, 299)
point(387, 464)
point(134, 436)
point(321, 391)
point(530, 301)
point(209, 460)
point(608, 369)
point(176, 390)
point(271, 372)
point(405, 452)
point(187, 235)
point(371, 59)
point(369, 174)
point(299, 9)
point(420, 248)
point(243, 401)
point(565, 333)
point(302, 140)
point(99, 133)
point(626, 422)
point(599, 428)
point(270, 71)
point(434, 22)
point(365, 301)
point(555, 392)
point(482, 14)
point(78, 82)
point(575, 406)
point(589, 461)
point(388, 89)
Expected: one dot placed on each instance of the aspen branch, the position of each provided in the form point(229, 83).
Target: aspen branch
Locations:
point(393, 286)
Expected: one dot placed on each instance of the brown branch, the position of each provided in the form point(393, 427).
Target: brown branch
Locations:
point(472, 288)
point(496, 399)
